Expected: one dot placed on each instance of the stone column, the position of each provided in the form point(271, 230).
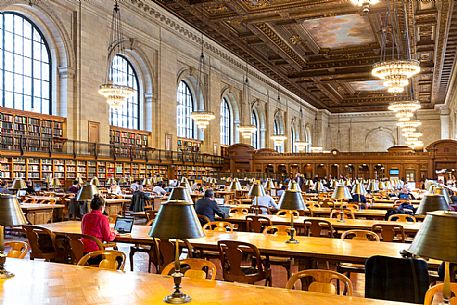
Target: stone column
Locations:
point(444, 119)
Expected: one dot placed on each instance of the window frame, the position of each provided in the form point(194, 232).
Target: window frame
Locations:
point(255, 140)
point(226, 117)
point(187, 129)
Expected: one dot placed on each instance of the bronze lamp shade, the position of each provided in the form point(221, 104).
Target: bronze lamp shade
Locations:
point(443, 191)
point(341, 192)
point(437, 239)
point(94, 181)
point(86, 193)
point(122, 180)
point(269, 184)
point(180, 193)
point(18, 184)
point(176, 220)
point(319, 187)
point(186, 185)
point(257, 190)
point(373, 187)
point(359, 189)
point(48, 179)
point(79, 179)
point(292, 199)
point(111, 181)
point(147, 182)
point(235, 185)
point(431, 203)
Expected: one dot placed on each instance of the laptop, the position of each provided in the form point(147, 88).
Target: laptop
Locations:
point(219, 201)
point(124, 225)
point(225, 209)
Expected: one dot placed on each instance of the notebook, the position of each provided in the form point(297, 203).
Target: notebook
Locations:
point(124, 225)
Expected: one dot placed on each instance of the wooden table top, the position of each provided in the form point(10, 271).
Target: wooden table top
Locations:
point(40, 206)
point(356, 251)
point(348, 224)
point(67, 284)
point(116, 200)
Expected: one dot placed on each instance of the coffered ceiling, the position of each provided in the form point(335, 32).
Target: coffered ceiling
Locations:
point(323, 50)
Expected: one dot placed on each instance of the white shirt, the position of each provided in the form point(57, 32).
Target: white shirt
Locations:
point(267, 201)
point(116, 190)
point(159, 190)
point(135, 186)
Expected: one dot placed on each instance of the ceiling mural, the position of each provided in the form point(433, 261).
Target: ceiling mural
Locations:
point(324, 51)
point(340, 31)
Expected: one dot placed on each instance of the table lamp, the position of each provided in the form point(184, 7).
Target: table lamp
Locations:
point(176, 220)
point(437, 239)
point(147, 182)
point(86, 193)
point(256, 190)
point(79, 179)
point(122, 180)
point(443, 191)
point(186, 186)
point(55, 183)
point(319, 187)
point(235, 185)
point(333, 183)
point(292, 199)
point(95, 182)
point(180, 193)
point(372, 187)
point(48, 180)
point(431, 203)
point(341, 193)
point(185, 180)
point(10, 215)
point(110, 181)
point(269, 185)
point(18, 184)
point(359, 189)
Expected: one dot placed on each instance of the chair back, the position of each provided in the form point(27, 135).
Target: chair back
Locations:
point(322, 281)
point(439, 288)
point(235, 268)
point(166, 251)
point(360, 235)
point(342, 212)
point(389, 233)
point(351, 206)
point(110, 259)
point(195, 268)
point(398, 202)
point(278, 230)
point(259, 209)
point(315, 227)
point(239, 210)
point(42, 242)
point(257, 223)
point(76, 244)
point(233, 202)
point(203, 219)
point(219, 226)
point(396, 279)
point(150, 215)
point(17, 249)
point(327, 203)
point(402, 218)
point(286, 213)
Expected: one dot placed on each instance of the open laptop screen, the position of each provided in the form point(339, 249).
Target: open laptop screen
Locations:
point(124, 225)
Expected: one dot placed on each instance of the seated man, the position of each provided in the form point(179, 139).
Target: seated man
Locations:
point(267, 202)
point(207, 206)
point(356, 198)
point(159, 190)
point(405, 194)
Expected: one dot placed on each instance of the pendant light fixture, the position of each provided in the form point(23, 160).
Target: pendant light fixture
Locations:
point(115, 94)
point(278, 137)
point(202, 117)
point(395, 68)
point(365, 4)
point(247, 130)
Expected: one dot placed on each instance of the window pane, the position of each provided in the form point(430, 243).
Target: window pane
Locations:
point(122, 73)
point(184, 108)
point(19, 89)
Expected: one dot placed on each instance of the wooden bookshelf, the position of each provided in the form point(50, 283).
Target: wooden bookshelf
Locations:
point(189, 145)
point(38, 131)
point(126, 140)
point(193, 172)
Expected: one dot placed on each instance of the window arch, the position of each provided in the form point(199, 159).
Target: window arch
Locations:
point(25, 65)
point(185, 106)
point(277, 131)
point(122, 73)
point(255, 139)
point(226, 123)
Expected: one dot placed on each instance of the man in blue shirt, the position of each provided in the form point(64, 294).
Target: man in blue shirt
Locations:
point(207, 206)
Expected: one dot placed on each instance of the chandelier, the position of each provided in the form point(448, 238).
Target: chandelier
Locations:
point(115, 94)
point(410, 123)
point(414, 134)
point(202, 117)
point(247, 130)
point(365, 4)
point(404, 115)
point(395, 68)
point(409, 106)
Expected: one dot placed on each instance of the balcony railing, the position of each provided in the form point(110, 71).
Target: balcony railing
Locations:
point(25, 144)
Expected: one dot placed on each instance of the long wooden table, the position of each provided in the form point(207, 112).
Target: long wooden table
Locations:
point(42, 283)
point(40, 213)
point(353, 251)
point(348, 224)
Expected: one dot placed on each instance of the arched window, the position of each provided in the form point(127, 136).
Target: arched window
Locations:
point(293, 134)
point(122, 73)
point(25, 65)
point(255, 140)
point(185, 106)
point(277, 131)
point(226, 126)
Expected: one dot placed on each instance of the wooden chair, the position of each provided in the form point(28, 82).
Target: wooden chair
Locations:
point(235, 270)
point(151, 250)
point(76, 246)
point(17, 249)
point(219, 226)
point(315, 228)
point(150, 215)
point(322, 281)
point(166, 252)
point(342, 212)
point(287, 263)
point(398, 202)
point(286, 213)
point(348, 268)
point(233, 202)
point(42, 243)
point(259, 209)
point(195, 268)
point(389, 233)
point(203, 219)
point(327, 203)
point(439, 288)
point(402, 218)
point(239, 210)
point(110, 259)
point(351, 206)
point(257, 223)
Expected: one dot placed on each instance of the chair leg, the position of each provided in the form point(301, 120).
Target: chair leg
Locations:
point(132, 252)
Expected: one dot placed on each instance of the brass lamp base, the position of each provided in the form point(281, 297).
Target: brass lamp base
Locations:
point(292, 240)
point(177, 298)
point(3, 273)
